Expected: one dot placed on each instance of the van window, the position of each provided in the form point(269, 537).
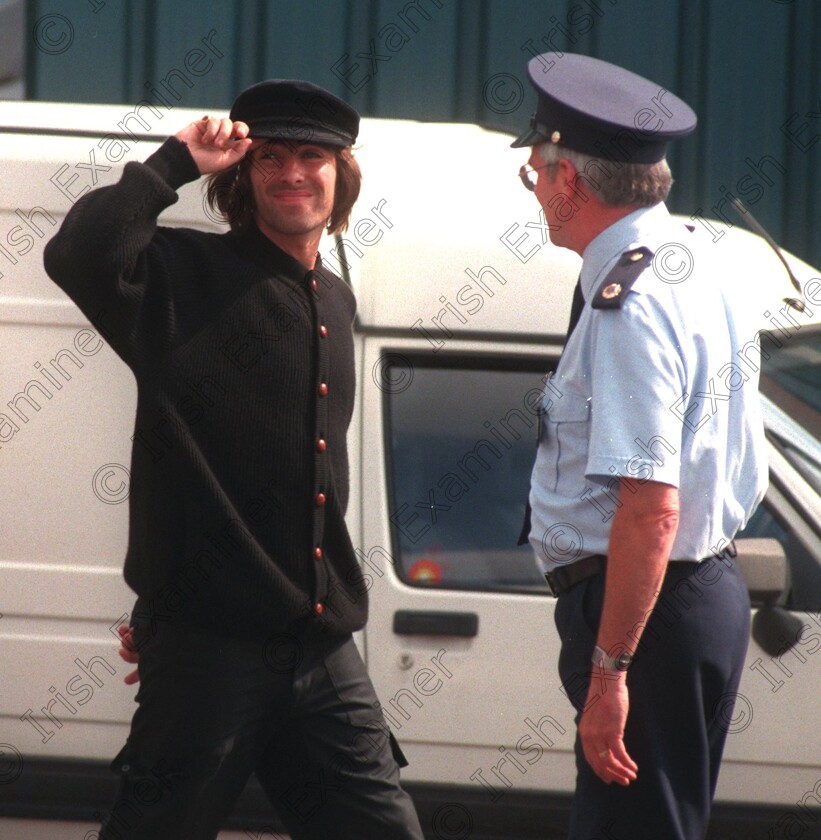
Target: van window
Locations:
point(462, 440)
point(461, 444)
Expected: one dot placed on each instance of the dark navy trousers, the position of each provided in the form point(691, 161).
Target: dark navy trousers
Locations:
point(683, 689)
point(298, 710)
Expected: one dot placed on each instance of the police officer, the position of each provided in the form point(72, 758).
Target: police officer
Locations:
point(248, 585)
point(651, 458)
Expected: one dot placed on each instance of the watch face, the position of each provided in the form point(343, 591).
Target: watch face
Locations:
point(624, 661)
point(621, 663)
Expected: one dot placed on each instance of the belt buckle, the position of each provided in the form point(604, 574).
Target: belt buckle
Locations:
point(549, 578)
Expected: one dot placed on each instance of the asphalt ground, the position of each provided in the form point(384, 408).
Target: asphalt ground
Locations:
point(13, 829)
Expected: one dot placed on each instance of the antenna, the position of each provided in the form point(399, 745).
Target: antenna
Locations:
point(740, 208)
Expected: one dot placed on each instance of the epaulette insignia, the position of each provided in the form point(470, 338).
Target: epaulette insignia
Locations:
point(614, 288)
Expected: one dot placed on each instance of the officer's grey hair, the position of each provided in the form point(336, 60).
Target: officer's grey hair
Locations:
point(612, 182)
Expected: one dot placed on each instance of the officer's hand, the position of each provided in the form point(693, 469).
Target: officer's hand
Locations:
point(128, 652)
point(216, 144)
point(601, 729)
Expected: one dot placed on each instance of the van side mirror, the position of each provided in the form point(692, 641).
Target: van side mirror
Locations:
point(763, 564)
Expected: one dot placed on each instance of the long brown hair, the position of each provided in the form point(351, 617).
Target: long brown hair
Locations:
point(229, 195)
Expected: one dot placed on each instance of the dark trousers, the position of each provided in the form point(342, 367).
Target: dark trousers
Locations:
point(682, 687)
point(299, 711)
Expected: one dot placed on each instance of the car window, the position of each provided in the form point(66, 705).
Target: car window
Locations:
point(777, 519)
point(791, 376)
point(802, 451)
point(791, 389)
point(462, 440)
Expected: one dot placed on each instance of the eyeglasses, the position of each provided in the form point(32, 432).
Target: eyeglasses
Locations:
point(525, 174)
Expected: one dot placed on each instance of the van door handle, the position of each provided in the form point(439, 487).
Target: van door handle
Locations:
point(433, 623)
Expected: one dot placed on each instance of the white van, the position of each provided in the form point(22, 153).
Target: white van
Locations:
point(463, 304)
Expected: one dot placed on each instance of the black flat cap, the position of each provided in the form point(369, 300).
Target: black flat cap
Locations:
point(301, 112)
point(599, 109)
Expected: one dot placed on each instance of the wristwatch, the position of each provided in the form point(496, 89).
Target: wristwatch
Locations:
point(609, 663)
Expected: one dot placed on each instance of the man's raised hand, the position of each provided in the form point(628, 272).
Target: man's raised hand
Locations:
point(129, 653)
point(215, 143)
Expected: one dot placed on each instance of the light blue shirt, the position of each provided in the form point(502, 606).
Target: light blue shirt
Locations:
point(663, 389)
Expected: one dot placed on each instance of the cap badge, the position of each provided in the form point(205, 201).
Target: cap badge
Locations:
point(555, 137)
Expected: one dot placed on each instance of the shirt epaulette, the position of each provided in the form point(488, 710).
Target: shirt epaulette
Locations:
point(620, 278)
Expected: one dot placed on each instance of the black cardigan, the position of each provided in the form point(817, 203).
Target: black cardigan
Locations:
point(245, 374)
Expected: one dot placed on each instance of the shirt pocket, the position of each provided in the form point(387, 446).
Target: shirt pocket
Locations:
point(566, 431)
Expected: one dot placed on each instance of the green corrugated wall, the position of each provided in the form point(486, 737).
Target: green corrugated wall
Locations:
point(750, 68)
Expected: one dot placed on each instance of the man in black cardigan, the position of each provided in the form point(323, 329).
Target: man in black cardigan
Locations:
point(248, 586)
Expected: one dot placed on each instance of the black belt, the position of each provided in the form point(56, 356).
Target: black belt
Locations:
point(562, 578)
